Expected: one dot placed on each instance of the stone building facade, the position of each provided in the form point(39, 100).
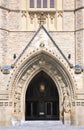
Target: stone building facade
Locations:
point(44, 37)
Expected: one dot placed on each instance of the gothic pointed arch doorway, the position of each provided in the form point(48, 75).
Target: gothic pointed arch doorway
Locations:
point(42, 99)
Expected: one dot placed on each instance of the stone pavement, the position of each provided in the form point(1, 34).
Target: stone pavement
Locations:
point(42, 125)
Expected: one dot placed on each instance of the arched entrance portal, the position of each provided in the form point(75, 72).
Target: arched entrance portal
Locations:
point(42, 99)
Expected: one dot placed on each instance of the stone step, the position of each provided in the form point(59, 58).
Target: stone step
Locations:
point(42, 125)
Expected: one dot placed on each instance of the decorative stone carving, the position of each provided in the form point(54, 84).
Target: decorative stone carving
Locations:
point(31, 17)
point(42, 44)
point(52, 16)
point(40, 63)
point(59, 78)
point(23, 13)
point(55, 72)
point(15, 122)
point(60, 13)
point(24, 77)
point(42, 17)
point(66, 104)
point(5, 103)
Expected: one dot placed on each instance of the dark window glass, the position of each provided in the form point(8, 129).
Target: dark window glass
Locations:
point(44, 3)
point(51, 3)
point(31, 3)
point(38, 3)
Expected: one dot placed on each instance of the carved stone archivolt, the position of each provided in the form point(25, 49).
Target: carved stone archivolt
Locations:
point(25, 73)
point(41, 64)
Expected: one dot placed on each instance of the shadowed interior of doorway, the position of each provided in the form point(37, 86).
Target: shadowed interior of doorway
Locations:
point(42, 99)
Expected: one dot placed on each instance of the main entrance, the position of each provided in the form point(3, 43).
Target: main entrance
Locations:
point(42, 99)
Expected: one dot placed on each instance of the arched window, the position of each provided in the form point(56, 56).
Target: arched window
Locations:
point(51, 3)
point(31, 3)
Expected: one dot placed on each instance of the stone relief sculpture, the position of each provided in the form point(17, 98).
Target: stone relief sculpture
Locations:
point(66, 107)
point(66, 104)
point(66, 101)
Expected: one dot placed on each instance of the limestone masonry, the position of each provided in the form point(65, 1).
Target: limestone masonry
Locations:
point(41, 38)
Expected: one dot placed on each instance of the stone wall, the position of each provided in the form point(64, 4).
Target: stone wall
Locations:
point(79, 47)
point(79, 23)
point(3, 20)
point(65, 41)
point(68, 21)
point(14, 21)
point(15, 43)
point(13, 4)
point(79, 3)
point(79, 32)
point(68, 4)
point(16, 32)
point(79, 19)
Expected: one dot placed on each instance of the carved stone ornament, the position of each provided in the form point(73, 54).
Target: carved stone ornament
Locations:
point(60, 13)
point(66, 104)
point(24, 13)
point(42, 17)
point(42, 44)
point(41, 63)
point(52, 17)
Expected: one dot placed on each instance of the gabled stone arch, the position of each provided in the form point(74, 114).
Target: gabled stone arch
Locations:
point(32, 65)
point(34, 56)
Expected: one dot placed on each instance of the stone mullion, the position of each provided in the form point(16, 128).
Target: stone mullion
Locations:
point(41, 3)
point(35, 3)
point(48, 4)
point(55, 3)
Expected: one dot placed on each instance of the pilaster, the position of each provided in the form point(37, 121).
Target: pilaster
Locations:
point(79, 31)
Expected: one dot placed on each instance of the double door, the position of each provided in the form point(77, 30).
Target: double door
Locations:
point(42, 98)
point(42, 110)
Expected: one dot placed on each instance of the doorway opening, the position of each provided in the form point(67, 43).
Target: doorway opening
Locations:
point(42, 99)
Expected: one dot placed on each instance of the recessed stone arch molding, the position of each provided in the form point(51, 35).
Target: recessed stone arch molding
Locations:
point(24, 73)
